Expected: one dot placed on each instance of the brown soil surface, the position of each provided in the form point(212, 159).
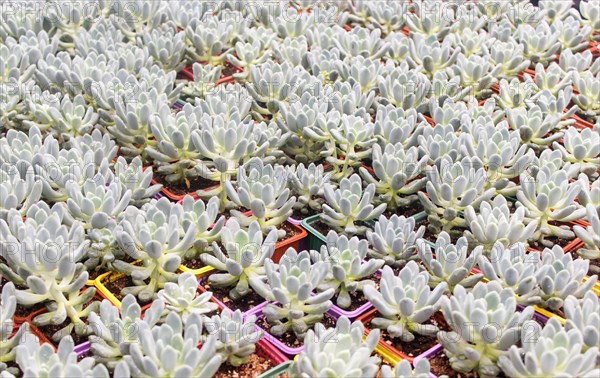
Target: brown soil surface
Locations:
point(180, 188)
point(251, 369)
point(243, 304)
point(289, 338)
point(357, 298)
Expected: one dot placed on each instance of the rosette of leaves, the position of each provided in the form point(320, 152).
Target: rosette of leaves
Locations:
point(158, 235)
point(243, 261)
point(396, 174)
point(394, 240)
point(485, 323)
point(114, 329)
point(450, 263)
point(8, 341)
point(349, 272)
point(405, 301)
point(550, 351)
point(53, 274)
point(292, 283)
point(348, 204)
point(349, 356)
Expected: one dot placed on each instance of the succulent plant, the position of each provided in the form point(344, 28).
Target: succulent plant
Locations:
point(560, 276)
point(485, 324)
point(365, 72)
point(405, 302)
point(550, 351)
point(404, 370)
point(360, 42)
point(404, 88)
point(210, 39)
point(429, 55)
point(166, 47)
point(114, 329)
point(349, 272)
point(514, 268)
point(96, 202)
point(395, 125)
point(580, 62)
point(499, 151)
point(582, 314)
point(262, 189)
point(292, 283)
point(52, 274)
point(535, 127)
point(494, 222)
point(225, 144)
point(451, 187)
point(349, 204)
point(590, 15)
point(182, 297)
point(510, 56)
point(396, 174)
point(8, 341)
point(307, 183)
point(587, 98)
point(19, 188)
point(159, 236)
point(589, 192)
point(450, 263)
point(394, 240)
point(423, 21)
point(38, 360)
point(174, 154)
point(204, 217)
point(244, 259)
point(236, 336)
point(171, 349)
point(590, 237)
point(572, 35)
point(348, 356)
point(132, 177)
point(440, 142)
point(62, 117)
point(550, 197)
point(581, 147)
point(541, 42)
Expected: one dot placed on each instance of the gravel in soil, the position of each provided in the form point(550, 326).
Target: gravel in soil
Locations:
point(357, 299)
point(290, 230)
point(243, 304)
point(421, 343)
point(119, 284)
point(407, 211)
point(255, 366)
point(298, 215)
point(538, 246)
point(440, 365)
point(179, 188)
point(194, 263)
point(289, 338)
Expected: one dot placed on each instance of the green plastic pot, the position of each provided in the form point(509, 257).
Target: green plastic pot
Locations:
point(277, 370)
point(315, 239)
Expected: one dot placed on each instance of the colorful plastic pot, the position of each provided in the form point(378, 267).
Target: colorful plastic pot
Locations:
point(315, 239)
point(83, 349)
point(27, 319)
point(267, 350)
point(200, 272)
point(356, 313)
point(254, 310)
point(290, 352)
point(293, 242)
point(41, 338)
point(394, 354)
point(433, 353)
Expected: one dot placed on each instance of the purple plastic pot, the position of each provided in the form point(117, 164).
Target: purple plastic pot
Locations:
point(290, 352)
point(83, 348)
point(158, 196)
point(246, 314)
point(294, 221)
point(431, 353)
point(536, 316)
point(352, 315)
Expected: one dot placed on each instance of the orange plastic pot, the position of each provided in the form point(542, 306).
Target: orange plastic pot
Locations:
point(293, 242)
point(581, 123)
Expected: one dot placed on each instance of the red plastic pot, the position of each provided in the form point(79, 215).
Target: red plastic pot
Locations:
point(27, 319)
point(581, 123)
point(172, 196)
point(188, 73)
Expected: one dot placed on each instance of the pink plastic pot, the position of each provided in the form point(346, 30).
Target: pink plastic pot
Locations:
point(356, 313)
point(83, 349)
point(434, 352)
point(290, 352)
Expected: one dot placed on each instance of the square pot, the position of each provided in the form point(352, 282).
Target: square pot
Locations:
point(105, 293)
point(356, 313)
point(290, 352)
point(315, 239)
point(394, 354)
point(223, 306)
